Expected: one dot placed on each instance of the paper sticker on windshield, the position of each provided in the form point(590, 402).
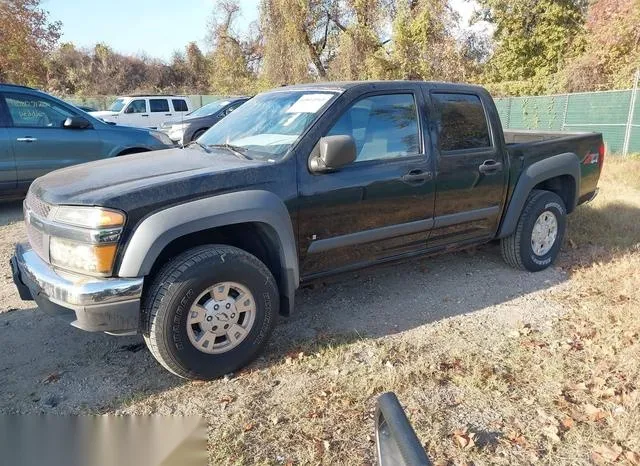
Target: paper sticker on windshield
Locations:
point(309, 103)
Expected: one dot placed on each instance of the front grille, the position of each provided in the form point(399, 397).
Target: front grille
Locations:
point(39, 241)
point(37, 206)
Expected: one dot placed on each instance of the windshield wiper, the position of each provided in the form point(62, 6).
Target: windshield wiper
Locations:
point(238, 150)
point(199, 144)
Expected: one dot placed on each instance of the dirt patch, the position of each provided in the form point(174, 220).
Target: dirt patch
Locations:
point(494, 366)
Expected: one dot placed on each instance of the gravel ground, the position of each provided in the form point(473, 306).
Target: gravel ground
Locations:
point(48, 366)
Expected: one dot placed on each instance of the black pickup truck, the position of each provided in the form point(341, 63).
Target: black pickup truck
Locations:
point(200, 249)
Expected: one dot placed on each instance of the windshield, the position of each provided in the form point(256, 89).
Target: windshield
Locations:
point(210, 108)
point(269, 124)
point(117, 105)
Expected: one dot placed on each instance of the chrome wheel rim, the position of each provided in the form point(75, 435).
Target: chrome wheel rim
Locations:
point(221, 317)
point(545, 232)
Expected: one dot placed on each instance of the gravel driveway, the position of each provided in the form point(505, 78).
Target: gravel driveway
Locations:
point(48, 366)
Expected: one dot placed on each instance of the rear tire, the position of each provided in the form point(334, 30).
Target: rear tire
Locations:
point(187, 289)
point(535, 244)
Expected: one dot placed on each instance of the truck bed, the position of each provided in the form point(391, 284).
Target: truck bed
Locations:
point(519, 136)
point(526, 147)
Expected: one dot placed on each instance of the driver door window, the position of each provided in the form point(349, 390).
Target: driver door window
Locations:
point(137, 106)
point(28, 111)
point(383, 127)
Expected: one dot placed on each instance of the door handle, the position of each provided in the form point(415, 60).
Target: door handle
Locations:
point(27, 139)
point(144, 115)
point(417, 176)
point(489, 167)
point(167, 114)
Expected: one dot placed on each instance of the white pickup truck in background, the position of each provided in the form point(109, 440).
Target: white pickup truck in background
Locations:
point(145, 111)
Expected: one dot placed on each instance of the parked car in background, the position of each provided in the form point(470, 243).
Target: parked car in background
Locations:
point(192, 126)
point(40, 133)
point(145, 111)
point(86, 108)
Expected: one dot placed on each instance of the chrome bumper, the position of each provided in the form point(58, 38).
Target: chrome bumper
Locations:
point(107, 304)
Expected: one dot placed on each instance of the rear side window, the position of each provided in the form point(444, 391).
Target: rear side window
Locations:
point(159, 105)
point(463, 123)
point(180, 105)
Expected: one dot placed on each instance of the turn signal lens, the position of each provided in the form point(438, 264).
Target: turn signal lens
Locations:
point(89, 217)
point(71, 255)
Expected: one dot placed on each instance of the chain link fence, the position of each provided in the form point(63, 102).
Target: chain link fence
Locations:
point(615, 114)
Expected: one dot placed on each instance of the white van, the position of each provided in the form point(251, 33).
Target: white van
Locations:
point(146, 111)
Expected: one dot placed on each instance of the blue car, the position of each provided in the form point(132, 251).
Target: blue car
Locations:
point(40, 133)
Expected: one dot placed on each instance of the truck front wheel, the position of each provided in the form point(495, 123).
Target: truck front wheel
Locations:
point(209, 311)
point(536, 242)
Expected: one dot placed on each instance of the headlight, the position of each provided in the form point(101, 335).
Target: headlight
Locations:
point(163, 138)
point(88, 217)
point(89, 244)
point(81, 257)
point(176, 132)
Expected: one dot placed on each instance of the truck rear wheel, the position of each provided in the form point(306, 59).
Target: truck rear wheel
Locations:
point(209, 311)
point(536, 242)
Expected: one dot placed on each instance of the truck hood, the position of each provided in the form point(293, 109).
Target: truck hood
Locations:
point(140, 181)
point(103, 114)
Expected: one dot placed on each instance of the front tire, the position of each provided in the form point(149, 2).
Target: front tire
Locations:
point(209, 311)
point(535, 244)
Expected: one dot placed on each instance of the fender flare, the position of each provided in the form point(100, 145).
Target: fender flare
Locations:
point(557, 165)
point(155, 232)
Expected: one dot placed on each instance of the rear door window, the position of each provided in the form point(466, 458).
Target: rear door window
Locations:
point(179, 105)
point(462, 122)
point(159, 105)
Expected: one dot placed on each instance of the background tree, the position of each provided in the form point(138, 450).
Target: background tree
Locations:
point(26, 39)
point(230, 58)
point(533, 40)
point(612, 51)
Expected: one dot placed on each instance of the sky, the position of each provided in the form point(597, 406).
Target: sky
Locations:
point(154, 27)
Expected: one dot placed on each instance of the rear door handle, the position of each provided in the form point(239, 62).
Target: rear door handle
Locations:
point(417, 176)
point(490, 166)
point(27, 139)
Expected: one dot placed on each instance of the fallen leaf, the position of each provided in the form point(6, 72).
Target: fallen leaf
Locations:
point(593, 413)
point(551, 432)
point(633, 457)
point(53, 377)
point(610, 454)
point(463, 438)
point(568, 422)
point(249, 426)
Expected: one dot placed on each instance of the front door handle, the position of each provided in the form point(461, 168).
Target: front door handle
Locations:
point(144, 115)
point(27, 139)
point(416, 176)
point(489, 167)
point(167, 114)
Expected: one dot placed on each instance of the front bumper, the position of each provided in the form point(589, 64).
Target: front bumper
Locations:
point(92, 304)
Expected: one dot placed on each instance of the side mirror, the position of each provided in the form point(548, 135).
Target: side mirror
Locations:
point(76, 122)
point(396, 441)
point(333, 152)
